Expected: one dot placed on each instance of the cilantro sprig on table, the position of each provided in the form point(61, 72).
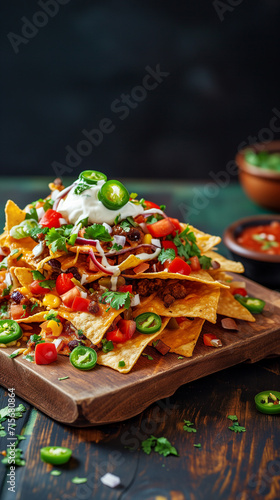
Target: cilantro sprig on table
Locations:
point(235, 427)
point(116, 299)
point(160, 445)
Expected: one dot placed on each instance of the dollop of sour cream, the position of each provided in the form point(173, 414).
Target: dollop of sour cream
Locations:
point(75, 207)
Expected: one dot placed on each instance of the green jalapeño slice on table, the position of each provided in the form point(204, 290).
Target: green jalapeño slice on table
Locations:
point(83, 358)
point(268, 402)
point(56, 455)
point(9, 331)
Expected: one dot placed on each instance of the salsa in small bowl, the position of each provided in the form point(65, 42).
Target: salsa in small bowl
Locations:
point(255, 241)
point(259, 173)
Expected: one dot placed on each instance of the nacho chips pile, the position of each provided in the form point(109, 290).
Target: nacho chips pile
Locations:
point(84, 263)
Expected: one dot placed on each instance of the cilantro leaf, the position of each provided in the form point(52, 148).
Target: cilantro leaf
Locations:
point(32, 214)
point(198, 445)
point(205, 262)
point(97, 232)
point(52, 315)
point(166, 254)
point(233, 418)
point(152, 219)
point(189, 426)
point(56, 241)
point(188, 247)
point(34, 306)
point(48, 284)
point(161, 445)
point(37, 275)
point(107, 345)
point(6, 291)
point(121, 363)
point(116, 299)
point(4, 310)
point(116, 247)
point(237, 428)
point(125, 226)
point(33, 233)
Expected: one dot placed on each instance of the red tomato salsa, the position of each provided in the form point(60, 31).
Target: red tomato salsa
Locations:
point(263, 238)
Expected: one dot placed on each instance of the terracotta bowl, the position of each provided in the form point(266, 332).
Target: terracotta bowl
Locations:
point(261, 185)
point(260, 267)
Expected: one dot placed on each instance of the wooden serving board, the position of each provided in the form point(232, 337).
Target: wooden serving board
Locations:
point(104, 396)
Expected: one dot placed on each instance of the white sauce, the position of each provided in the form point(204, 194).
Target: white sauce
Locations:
point(113, 269)
point(79, 206)
point(114, 281)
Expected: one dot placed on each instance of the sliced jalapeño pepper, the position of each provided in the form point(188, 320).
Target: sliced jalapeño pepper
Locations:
point(83, 358)
point(92, 176)
point(9, 331)
point(268, 402)
point(253, 305)
point(55, 455)
point(148, 322)
point(113, 195)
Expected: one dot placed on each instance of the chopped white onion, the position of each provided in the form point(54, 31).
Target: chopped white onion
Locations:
point(55, 194)
point(109, 229)
point(83, 294)
point(154, 268)
point(38, 250)
point(84, 279)
point(62, 221)
point(8, 279)
point(110, 480)
point(135, 301)
point(119, 240)
point(143, 226)
point(40, 212)
point(57, 343)
point(156, 242)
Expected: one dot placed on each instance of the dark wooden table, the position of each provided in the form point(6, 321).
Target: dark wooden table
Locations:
point(241, 466)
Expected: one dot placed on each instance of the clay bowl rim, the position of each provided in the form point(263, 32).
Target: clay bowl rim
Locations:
point(229, 238)
point(273, 146)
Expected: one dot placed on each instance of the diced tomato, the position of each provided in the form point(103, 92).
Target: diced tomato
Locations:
point(68, 297)
point(18, 312)
point(169, 244)
point(195, 264)
point(51, 219)
point(116, 336)
point(63, 283)
point(127, 327)
point(239, 291)
point(176, 224)
point(36, 289)
point(125, 288)
point(150, 204)
point(178, 265)
point(80, 304)
point(180, 319)
point(139, 219)
point(45, 353)
point(211, 340)
point(141, 268)
point(161, 228)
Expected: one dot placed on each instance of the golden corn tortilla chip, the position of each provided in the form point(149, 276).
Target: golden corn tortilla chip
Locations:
point(220, 276)
point(36, 318)
point(204, 241)
point(93, 326)
point(129, 351)
point(183, 340)
point(226, 264)
point(201, 302)
point(230, 307)
point(14, 215)
point(23, 275)
point(200, 276)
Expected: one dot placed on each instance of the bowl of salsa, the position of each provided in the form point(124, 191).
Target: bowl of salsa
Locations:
point(255, 241)
point(259, 173)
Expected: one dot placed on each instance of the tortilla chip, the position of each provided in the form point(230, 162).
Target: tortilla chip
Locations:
point(23, 275)
point(93, 326)
point(36, 318)
point(129, 351)
point(230, 307)
point(184, 339)
point(201, 302)
point(201, 276)
point(226, 264)
point(14, 215)
point(220, 276)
